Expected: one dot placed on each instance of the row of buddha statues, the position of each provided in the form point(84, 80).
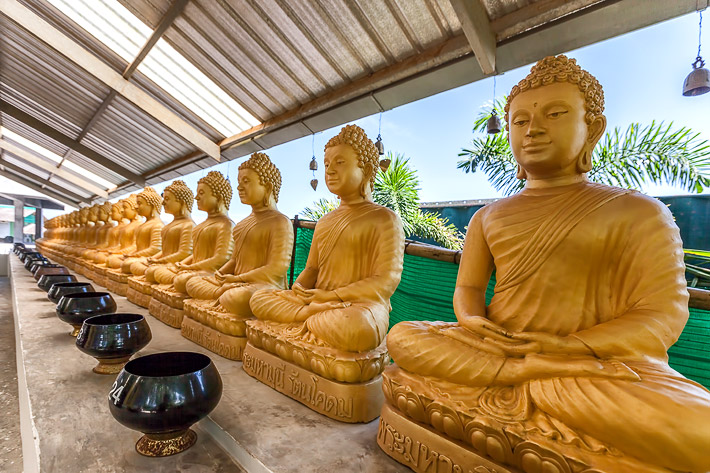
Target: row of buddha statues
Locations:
point(564, 371)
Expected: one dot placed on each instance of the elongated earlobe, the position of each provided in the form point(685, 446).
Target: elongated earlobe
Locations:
point(520, 173)
point(584, 161)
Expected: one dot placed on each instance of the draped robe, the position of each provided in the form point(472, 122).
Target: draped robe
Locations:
point(602, 265)
point(262, 251)
point(176, 245)
point(357, 252)
point(211, 248)
point(148, 243)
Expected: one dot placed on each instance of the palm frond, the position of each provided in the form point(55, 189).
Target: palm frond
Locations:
point(655, 153)
point(320, 208)
point(493, 156)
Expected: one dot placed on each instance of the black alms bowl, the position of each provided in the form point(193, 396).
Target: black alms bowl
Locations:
point(32, 259)
point(50, 269)
point(17, 246)
point(75, 308)
point(40, 264)
point(27, 253)
point(113, 339)
point(45, 282)
point(162, 395)
point(63, 288)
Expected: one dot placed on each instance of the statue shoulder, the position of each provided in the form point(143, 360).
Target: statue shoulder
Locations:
point(642, 205)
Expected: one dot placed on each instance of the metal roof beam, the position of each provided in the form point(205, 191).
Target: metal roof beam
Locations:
point(36, 187)
point(41, 163)
point(96, 67)
point(47, 130)
point(477, 28)
point(166, 22)
point(43, 182)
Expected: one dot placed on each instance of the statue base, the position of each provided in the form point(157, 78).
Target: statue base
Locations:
point(117, 282)
point(228, 346)
point(424, 450)
point(344, 402)
point(166, 314)
point(138, 298)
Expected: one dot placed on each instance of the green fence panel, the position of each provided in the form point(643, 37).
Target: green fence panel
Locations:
point(426, 292)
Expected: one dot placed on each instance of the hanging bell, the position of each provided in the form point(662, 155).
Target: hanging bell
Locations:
point(314, 164)
point(385, 164)
point(698, 81)
point(493, 125)
point(314, 183)
point(379, 145)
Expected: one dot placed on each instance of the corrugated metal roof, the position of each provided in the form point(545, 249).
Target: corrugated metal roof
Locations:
point(297, 65)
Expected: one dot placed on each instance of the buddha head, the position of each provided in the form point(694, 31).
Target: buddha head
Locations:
point(117, 211)
point(105, 211)
point(84, 215)
point(351, 162)
point(93, 213)
point(130, 207)
point(149, 203)
point(214, 193)
point(178, 198)
point(259, 182)
point(555, 118)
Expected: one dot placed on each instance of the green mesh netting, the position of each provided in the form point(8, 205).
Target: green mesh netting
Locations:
point(426, 292)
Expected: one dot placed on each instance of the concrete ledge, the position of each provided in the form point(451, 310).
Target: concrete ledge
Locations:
point(253, 425)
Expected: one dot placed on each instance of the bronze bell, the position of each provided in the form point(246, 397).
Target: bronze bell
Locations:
point(493, 126)
point(314, 164)
point(314, 183)
point(698, 81)
point(385, 164)
point(379, 145)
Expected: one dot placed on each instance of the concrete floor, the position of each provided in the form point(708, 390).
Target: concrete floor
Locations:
point(10, 443)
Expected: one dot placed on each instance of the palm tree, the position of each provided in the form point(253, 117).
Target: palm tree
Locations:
point(398, 189)
point(655, 153)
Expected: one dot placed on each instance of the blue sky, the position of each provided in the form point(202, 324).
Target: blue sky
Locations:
point(642, 74)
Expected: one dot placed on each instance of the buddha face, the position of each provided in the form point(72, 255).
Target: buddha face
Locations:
point(116, 213)
point(145, 209)
point(548, 131)
point(128, 211)
point(207, 201)
point(93, 214)
point(103, 216)
point(343, 176)
point(250, 189)
point(171, 204)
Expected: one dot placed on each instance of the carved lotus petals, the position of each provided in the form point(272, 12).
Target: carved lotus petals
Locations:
point(533, 458)
point(489, 441)
point(445, 419)
point(343, 371)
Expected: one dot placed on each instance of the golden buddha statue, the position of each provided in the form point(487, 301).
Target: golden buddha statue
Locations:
point(147, 242)
point(211, 248)
point(219, 306)
point(108, 238)
point(99, 239)
point(330, 327)
point(126, 244)
point(566, 369)
point(113, 242)
point(176, 238)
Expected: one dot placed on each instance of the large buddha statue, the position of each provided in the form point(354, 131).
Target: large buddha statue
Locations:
point(219, 306)
point(176, 243)
point(330, 327)
point(566, 370)
point(147, 241)
point(211, 248)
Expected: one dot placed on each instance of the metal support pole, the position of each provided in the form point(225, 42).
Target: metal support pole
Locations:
point(293, 251)
point(39, 223)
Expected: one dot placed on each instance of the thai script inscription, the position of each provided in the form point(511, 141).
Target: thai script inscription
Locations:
point(419, 455)
point(268, 373)
point(306, 390)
